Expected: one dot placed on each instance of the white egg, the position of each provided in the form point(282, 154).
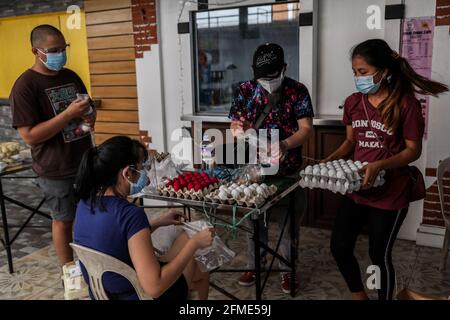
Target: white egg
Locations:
point(316, 171)
point(332, 173)
point(263, 185)
point(223, 196)
point(340, 174)
point(235, 194)
point(259, 190)
point(233, 186)
point(308, 170)
point(324, 172)
point(248, 192)
point(255, 185)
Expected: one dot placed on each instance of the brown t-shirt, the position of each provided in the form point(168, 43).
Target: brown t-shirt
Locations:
point(36, 98)
point(394, 194)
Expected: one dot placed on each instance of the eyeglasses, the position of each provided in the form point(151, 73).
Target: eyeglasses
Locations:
point(54, 50)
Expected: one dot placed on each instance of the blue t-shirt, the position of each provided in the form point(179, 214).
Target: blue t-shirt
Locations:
point(108, 232)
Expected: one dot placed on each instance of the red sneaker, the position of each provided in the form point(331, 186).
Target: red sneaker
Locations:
point(286, 283)
point(247, 279)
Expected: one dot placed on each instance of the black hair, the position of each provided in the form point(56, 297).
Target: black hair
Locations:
point(402, 80)
point(100, 166)
point(40, 33)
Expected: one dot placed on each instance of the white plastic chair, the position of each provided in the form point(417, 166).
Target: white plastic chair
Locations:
point(444, 166)
point(97, 263)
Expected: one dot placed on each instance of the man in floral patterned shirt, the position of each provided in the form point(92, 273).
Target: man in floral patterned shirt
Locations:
point(292, 115)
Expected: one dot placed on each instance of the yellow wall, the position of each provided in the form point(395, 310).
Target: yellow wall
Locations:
point(15, 47)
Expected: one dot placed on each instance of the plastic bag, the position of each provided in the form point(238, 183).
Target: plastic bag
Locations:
point(214, 256)
point(163, 238)
point(165, 170)
point(159, 172)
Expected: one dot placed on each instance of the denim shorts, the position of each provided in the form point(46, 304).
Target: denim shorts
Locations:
point(60, 197)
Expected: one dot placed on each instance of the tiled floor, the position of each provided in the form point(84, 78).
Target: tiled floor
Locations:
point(37, 272)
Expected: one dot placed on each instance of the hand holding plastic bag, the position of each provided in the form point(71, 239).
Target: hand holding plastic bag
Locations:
point(214, 256)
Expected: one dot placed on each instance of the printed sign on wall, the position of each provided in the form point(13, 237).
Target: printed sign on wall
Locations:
point(417, 47)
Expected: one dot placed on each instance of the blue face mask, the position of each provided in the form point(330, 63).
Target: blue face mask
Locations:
point(367, 85)
point(55, 61)
point(136, 187)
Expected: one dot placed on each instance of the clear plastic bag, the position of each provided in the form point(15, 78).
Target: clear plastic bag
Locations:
point(159, 172)
point(163, 238)
point(214, 256)
point(166, 169)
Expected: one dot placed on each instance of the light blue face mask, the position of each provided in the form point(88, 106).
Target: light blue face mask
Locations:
point(55, 61)
point(367, 85)
point(136, 187)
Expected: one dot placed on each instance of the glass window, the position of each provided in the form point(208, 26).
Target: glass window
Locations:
point(260, 14)
point(224, 43)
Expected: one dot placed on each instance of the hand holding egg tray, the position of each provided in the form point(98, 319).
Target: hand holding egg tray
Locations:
point(338, 176)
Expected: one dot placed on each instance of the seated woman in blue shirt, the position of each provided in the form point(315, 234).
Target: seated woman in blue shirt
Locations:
point(105, 221)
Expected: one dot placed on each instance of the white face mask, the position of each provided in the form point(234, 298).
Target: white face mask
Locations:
point(271, 85)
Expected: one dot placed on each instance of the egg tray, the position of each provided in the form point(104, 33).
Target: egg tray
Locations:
point(339, 176)
point(187, 194)
point(255, 194)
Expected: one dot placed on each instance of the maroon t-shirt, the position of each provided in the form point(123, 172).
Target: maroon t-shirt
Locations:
point(394, 194)
point(36, 98)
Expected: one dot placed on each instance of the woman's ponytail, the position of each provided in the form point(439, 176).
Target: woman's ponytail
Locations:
point(422, 85)
point(85, 184)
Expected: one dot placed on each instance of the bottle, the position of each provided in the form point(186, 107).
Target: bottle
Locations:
point(208, 155)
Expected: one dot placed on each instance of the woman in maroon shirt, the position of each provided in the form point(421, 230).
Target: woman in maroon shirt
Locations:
point(392, 139)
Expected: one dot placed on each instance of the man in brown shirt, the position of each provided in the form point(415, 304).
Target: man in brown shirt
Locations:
point(49, 117)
